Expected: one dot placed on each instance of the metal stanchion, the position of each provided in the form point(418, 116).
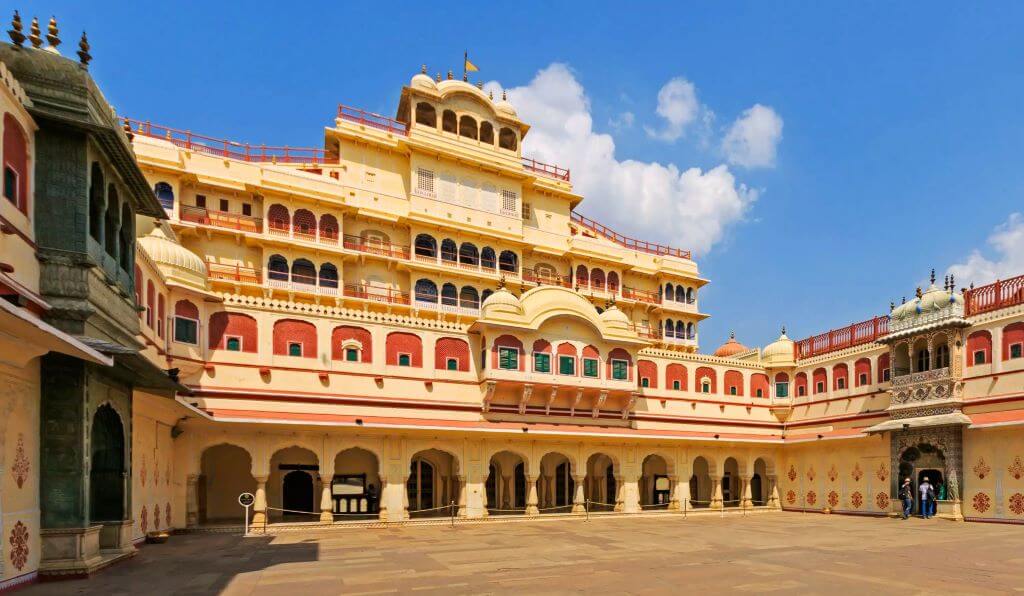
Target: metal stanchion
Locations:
point(587, 507)
point(453, 513)
point(685, 500)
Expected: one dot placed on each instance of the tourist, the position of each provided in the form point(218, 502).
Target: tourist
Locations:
point(940, 496)
point(927, 492)
point(907, 496)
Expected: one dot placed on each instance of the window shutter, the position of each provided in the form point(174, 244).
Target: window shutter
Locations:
point(425, 182)
point(510, 203)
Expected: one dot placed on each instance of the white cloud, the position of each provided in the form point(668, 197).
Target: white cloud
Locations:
point(622, 121)
point(678, 105)
point(688, 208)
point(1007, 240)
point(753, 138)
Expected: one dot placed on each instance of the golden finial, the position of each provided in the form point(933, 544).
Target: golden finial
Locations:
point(491, 95)
point(918, 291)
point(501, 283)
point(480, 85)
point(34, 32)
point(504, 96)
point(128, 129)
point(449, 74)
point(423, 69)
point(52, 33)
point(17, 37)
point(83, 50)
point(438, 77)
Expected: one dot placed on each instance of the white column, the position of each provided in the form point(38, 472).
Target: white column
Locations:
point(461, 503)
point(531, 495)
point(326, 502)
point(673, 495)
point(259, 516)
point(745, 501)
point(629, 495)
point(579, 496)
point(716, 492)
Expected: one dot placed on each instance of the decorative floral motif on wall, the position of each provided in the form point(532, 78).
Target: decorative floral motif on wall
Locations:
point(1016, 469)
point(167, 513)
point(833, 473)
point(19, 545)
point(144, 520)
point(981, 469)
point(21, 465)
point(882, 500)
point(810, 474)
point(812, 497)
point(981, 502)
point(792, 473)
point(1017, 504)
point(856, 499)
point(142, 472)
point(857, 474)
point(833, 498)
point(167, 475)
point(156, 517)
point(791, 497)
point(882, 473)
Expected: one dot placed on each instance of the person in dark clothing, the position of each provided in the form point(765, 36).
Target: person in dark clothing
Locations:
point(927, 498)
point(906, 495)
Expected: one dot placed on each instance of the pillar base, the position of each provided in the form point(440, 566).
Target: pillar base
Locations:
point(532, 510)
point(75, 552)
point(326, 517)
point(716, 505)
point(259, 518)
point(578, 508)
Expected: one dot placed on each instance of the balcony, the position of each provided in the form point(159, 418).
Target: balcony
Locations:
point(627, 242)
point(994, 296)
point(546, 170)
point(469, 308)
point(221, 219)
point(302, 283)
point(372, 293)
point(451, 261)
point(928, 376)
point(689, 342)
point(302, 234)
point(196, 143)
point(925, 388)
point(233, 273)
point(644, 296)
point(857, 334)
point(372, 120)
point(545, 278)
point(375, 247)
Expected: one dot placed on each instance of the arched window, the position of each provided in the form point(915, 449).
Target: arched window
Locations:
point(508, 261)
point(303, 272)
point(150, 303)
point(507, 139)
point(840, 372)
point(403, 349)
point(468, 254)
point(165, 194)
point(126, 237)
point(233, 331)
point(449, 295)
point(690, 295)
point(707, 380)
point(733, 382)
point(801, 384)
point(487, 133)
point(426, 246)
point(426, 114)
point(451, 354)
point(680, 294)
point(351, 344)
point(670, 328)
point(328, 276)
point(979, 348)
point(15, 156)
point(613, 281)
point(278, 218)
point(304, 223)
point(277, 268)
point(759, 385)
point(295, 338)
point(691, 331)
point(448, 121)
point(782, 384)
point(647, 373)
point(670, 293)
point(96, 186)
point(597, 279)
point(1013, 341)
point(862, 372)
point(884, 372)
point(111, 221)
point(675, 377)
point(449, 251)
point(328, 228)
point(582, 276)
point(820, 379)
point(186, 322)
point(161, 315)
point(487, 258)
point(469, 298)
point(426, 291)
point(467, 127)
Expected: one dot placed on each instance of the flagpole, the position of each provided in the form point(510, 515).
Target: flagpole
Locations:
point(465, 58)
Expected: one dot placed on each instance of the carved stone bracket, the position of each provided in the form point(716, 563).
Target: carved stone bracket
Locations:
point(525, 398)
point(628, 406)
point(551, 400)
point(576, 401)
point(603, 395)
point(489, 394)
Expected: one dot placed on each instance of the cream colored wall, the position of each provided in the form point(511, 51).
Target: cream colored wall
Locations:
point(19, 471)
point(993, 483)
point(854, 472)
point(153, 475)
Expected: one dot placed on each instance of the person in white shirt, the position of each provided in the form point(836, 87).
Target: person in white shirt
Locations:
point(927, 493)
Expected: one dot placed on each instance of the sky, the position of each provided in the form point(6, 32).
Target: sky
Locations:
point(819, 158)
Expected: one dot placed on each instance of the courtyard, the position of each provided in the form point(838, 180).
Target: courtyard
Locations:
point(768, 552)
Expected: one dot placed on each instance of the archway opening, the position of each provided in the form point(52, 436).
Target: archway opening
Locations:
point(731, 496)
point(291, 496)
point(226, 473)
point(758, 483)
point(655, 487)
point(433, 484)
point(506, 484)
point(297, 492)
point(107, 471)
point(356, 486)
point(921, 461)
point(555, 485)
point(601, 486)
point(700, 484)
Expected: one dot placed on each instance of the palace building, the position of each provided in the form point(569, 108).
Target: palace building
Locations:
point(414, 319)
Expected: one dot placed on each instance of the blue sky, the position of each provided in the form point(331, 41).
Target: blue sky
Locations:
point(900, 149)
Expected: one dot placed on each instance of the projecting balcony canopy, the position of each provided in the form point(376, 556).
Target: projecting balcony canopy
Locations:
point(503, 310)
point(952, 418)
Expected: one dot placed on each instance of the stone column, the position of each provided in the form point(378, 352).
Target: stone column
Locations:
point(773, 492)
point(629, 495)
point(579, 495)
point(746, 501)
point(259, 516)
point(549, 491)
point(506, 500)
point(192, 500)
point(405, 497)
point(326, 502)
point(681, 492)
point(531, 495)
point(716, 492)
point(382, 500)
point(461, 503)
point(673, 494)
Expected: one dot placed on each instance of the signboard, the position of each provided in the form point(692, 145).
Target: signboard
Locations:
point(246, 499)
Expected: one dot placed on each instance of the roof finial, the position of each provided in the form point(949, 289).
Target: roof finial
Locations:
point(480, 85)
point(52, 35)
point(17, 37)
point(732, 335)
point(918, 291)
point(903, 300)
point(449, 74)
point(423, 69)
point(892, 306)
point(491, 95)
point(501, 282)
point(783, 329)
point(933, 276)
point(37, 42)
point(438, 78)
point(127, 129)
point(83, 50)
point(504, 96)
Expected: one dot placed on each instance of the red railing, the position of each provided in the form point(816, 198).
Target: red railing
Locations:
point(233, 273)
point(546, 169)
point(372, 120)
point(377, 248)
point(845, 337)
point(546, 279)
point(641, 295)
point(631, 243)
point(996, 295)
point(221, 219)
point(645, 332)
point(224, 148)
point(376, 294)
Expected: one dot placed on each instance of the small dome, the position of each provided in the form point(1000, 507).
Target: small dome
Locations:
point(504, 108)
point(731, 347)
point(933, 299)
point(779, 352)
point(176, 262)
point(422, 81)
point(615, 318)
point(501, 301)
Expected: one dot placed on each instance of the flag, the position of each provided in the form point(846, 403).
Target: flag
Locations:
point(469, 66)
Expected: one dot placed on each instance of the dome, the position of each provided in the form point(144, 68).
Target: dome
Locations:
point(779, 352)
point(423, 81)
point(615, 318)
point(501, 301)
point(175, 261)
point(931, 300)
point(504, 108)
point(731, 347)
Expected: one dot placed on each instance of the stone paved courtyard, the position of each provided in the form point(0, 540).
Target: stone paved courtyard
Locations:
point(774, 552)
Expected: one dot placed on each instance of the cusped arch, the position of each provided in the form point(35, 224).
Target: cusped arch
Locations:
point(547, 302)
point(565, 452)
point(519, 452)
point(666, 456)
